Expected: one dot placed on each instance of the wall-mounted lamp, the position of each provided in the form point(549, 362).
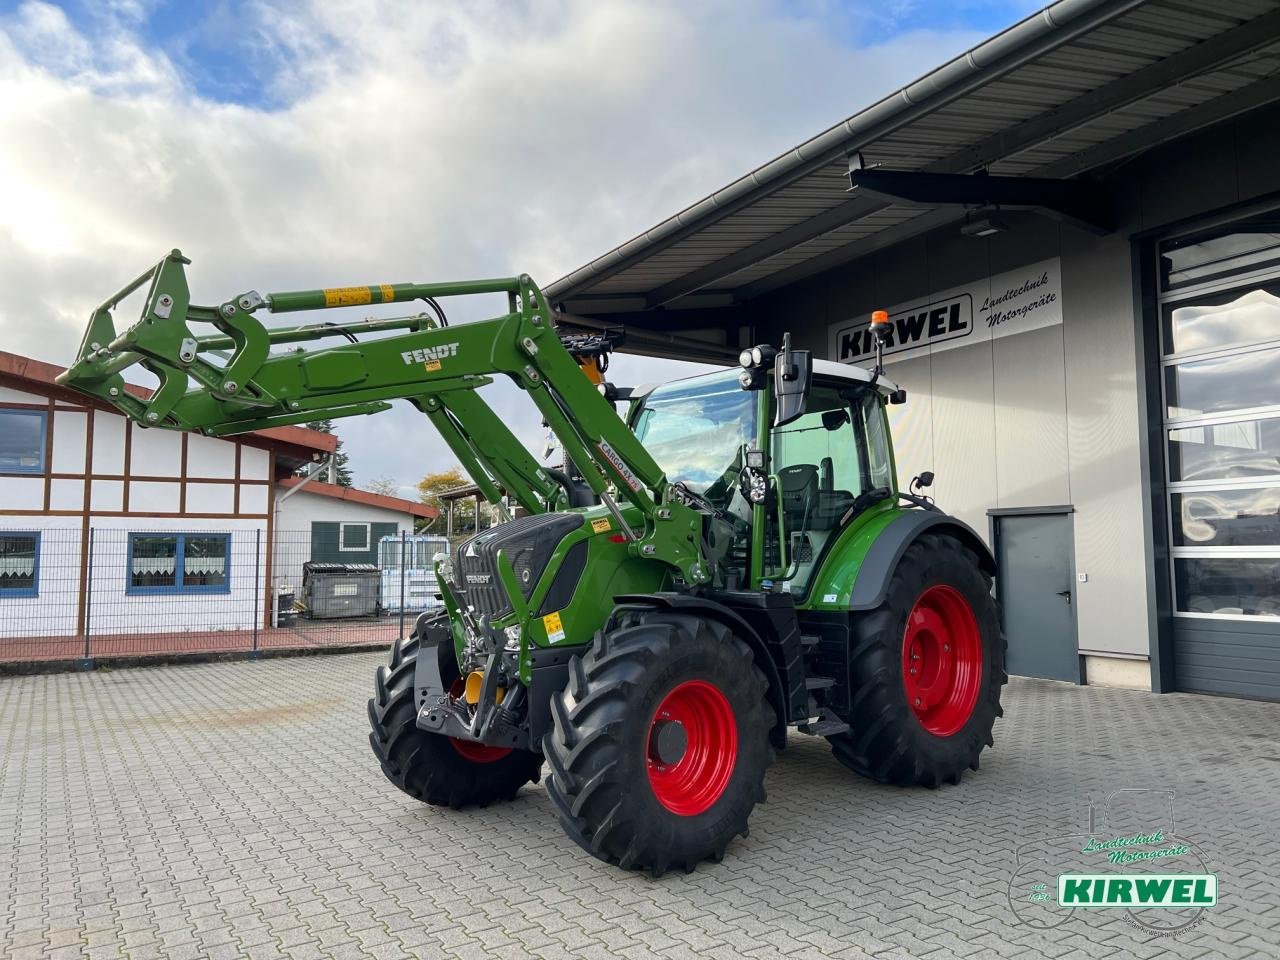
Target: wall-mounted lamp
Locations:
point(983, 223)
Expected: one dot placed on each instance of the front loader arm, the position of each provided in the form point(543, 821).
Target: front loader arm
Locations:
point(497, 465)
point(229, 382)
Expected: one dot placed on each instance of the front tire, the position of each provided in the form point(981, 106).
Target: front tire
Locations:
point(435, 769)
point(660, 742)
point(925, 671)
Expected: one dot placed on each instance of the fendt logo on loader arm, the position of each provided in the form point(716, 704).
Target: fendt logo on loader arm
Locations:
point(429, 357)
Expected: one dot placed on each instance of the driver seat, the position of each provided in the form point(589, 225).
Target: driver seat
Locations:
point(799, 485)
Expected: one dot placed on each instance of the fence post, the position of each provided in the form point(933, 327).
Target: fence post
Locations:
point(86, 662)
point(257, 588)
point(403, 563)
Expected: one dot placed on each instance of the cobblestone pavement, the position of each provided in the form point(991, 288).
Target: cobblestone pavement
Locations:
point(234, 810)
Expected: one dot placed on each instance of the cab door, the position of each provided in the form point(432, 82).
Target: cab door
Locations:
point(824, 460)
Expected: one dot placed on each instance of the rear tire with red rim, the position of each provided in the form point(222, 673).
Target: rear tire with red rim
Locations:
point(442, 771)
point(926, 668)
point(660, 741)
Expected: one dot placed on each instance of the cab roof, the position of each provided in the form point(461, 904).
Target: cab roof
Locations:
point(821, 368)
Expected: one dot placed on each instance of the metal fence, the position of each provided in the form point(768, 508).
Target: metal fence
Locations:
point(84, 593)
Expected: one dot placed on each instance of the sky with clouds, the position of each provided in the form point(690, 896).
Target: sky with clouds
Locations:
point(286, 144)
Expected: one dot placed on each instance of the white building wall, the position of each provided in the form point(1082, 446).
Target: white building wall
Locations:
point(302, 508)
point(10, 395)
point(70, 431)
point(1104, 420)
point(155, 453)
point(254, 464)
point(22, 493)
point(115, 611)
point(96, 452)
point(108, 443)
point(1045, 417)
point(53, 611)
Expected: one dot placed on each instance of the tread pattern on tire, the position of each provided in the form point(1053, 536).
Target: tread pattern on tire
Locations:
point(885, 742)
point(425, 765)
point(592, 784)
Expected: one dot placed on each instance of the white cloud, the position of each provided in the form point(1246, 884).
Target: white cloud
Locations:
point(409, 142)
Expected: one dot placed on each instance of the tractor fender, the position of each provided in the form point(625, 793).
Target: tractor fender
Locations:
point(713, 610)
point(872, 581)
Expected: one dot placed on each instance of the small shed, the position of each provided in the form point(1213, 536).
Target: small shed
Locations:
point(327, 523)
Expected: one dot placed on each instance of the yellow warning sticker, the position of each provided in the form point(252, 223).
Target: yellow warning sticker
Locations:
point(555, 629)
point(347, 296)
point(432, 365)
point(388, 293)
point(602, 525)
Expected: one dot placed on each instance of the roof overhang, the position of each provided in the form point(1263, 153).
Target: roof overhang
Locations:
point(365, 497)
point(1055, 101)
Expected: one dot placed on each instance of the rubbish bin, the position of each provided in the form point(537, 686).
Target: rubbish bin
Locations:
point(331, 591)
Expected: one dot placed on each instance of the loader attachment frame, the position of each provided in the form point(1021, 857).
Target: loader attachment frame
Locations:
point(227, 381)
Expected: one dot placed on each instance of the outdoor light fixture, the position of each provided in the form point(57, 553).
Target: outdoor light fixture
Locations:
point(759, 356)
point(754, 361)
point(983, 223)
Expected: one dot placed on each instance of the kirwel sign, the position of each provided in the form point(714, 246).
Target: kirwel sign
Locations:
point(1010, 303)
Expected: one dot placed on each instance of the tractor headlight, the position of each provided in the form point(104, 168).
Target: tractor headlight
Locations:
point(755, 485)
point(745, 358)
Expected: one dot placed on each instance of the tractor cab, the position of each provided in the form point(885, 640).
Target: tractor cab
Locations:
point(784, 472)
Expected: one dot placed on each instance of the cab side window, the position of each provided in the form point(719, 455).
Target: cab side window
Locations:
point(822, 444)
point(879, 451)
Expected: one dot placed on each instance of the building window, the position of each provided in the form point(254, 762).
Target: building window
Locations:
point(179, 563)
point(353, 536)
point(19, 564)
point(1220, 347)
point(22, 439)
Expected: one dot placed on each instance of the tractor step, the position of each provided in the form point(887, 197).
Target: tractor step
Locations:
point(828, 728)
point(827, 724)
point(819, 683)
point(809, 640)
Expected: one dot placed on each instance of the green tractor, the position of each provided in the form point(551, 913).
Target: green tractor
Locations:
point(722, 558)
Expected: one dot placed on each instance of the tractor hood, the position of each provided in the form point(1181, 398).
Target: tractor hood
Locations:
point(527, 543)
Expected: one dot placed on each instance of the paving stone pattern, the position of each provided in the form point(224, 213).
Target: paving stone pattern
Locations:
point(234, 810)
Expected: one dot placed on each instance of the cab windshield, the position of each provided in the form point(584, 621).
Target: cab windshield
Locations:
point(696, 430)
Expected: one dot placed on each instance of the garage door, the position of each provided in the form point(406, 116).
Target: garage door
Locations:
point(1220, 342)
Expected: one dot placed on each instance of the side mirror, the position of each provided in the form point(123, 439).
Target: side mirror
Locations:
point(835, 419)
point(792, 372)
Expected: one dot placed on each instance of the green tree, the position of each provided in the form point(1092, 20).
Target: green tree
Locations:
point(342, 467)
point(464, 511)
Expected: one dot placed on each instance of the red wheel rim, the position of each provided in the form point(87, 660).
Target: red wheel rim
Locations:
point(942, 660)
point(479, 752)
point(469, 749)
point(699, 714)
